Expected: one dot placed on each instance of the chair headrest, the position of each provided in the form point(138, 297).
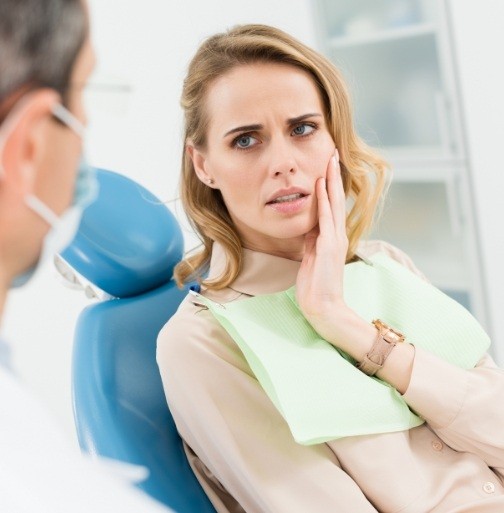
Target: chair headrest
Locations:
point(128, 241)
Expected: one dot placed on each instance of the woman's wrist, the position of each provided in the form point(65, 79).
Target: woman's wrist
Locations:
point(346, 330)
point(349, 332)
point(398, 367)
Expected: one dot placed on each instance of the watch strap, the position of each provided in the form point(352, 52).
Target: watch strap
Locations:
point(386, 340)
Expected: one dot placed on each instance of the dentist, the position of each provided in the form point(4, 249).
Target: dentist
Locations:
point(46, 58)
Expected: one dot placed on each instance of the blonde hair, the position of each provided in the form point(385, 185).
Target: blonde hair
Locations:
point(364, 172)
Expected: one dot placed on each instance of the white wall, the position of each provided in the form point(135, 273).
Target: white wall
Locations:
point(147, 44)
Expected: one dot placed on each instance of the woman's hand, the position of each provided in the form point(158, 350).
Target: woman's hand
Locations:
point(319, 284)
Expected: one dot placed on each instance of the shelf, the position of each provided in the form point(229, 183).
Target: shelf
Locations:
point(382, 36)
point(415, 168)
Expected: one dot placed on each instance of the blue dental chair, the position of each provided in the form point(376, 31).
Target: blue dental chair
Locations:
point(124, 254)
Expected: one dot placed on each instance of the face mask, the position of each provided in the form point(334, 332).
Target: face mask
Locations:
point(63, 228)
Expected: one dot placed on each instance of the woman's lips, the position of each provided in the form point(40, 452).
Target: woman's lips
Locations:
point(289, 207)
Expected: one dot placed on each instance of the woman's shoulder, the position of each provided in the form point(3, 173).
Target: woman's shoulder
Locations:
point(193, 335)
point(191, 322)
point(193, 319)
point(368, 248)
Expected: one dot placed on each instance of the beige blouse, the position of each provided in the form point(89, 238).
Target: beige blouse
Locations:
point(246, 459)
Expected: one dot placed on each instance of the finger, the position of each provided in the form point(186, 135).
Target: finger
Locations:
point(311, 239)
point(326, 221)
point(335, 181)
point(336, 194)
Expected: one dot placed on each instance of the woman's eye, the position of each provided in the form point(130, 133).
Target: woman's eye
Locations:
point(245, 141)
point(303, 129)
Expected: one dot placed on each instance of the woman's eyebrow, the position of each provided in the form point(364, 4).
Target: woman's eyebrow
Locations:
point(297, 119)
point(244, 128)
point(257, 126)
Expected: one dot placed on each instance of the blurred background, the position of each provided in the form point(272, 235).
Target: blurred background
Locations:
point(427, 90)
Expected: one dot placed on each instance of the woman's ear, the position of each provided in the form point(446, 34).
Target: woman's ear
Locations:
point(200, 165)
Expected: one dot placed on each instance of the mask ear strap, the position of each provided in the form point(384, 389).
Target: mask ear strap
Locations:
point(42, 210)
point(66, 117)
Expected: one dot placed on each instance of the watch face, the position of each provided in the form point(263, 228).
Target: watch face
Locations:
point(380, 325)
point(392, 335)
point(388, 333)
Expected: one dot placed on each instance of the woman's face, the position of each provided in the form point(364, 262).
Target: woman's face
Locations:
point(267, 144)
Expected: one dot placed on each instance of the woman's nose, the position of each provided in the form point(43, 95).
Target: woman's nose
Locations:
point(281, 160)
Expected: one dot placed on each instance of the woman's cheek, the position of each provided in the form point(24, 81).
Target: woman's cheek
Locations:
point(320, 154)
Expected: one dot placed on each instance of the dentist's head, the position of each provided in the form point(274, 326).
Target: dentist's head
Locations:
point(45, 60)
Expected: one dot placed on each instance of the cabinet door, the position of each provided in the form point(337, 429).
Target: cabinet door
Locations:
point(397, 58)
point(388, 51)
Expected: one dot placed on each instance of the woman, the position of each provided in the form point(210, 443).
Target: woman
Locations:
point(271, 163)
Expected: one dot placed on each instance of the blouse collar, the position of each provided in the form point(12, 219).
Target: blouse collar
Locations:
point(261, 273)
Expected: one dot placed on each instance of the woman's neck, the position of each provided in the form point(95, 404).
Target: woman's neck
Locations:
point(289, 249)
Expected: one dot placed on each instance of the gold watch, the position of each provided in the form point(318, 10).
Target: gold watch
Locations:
point(386, 340)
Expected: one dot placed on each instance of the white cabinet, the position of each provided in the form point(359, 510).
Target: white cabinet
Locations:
point(398, 59)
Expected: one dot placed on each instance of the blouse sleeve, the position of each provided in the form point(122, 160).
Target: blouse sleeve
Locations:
point(462, 406)
point(225, 417)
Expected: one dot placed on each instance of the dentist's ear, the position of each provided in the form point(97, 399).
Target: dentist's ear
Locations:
point(24, 139)
point(199, 163)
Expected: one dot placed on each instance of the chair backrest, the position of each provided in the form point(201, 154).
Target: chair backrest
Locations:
point(127, 246)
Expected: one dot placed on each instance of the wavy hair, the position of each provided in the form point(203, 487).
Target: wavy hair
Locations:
point(364, 172)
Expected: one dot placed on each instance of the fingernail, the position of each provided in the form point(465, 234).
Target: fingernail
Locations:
point(334, 161)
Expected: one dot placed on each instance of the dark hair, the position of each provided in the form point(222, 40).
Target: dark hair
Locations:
point(39, 42)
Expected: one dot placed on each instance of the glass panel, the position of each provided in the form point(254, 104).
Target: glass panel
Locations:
point(416, 218)
point(396, 90)
point(360, 17)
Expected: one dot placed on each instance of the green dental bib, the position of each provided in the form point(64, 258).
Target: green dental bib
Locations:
point(317, 388)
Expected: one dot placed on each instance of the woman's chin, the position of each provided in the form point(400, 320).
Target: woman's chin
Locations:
point(294, 231)
point(300, 227)
point(270, 232)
